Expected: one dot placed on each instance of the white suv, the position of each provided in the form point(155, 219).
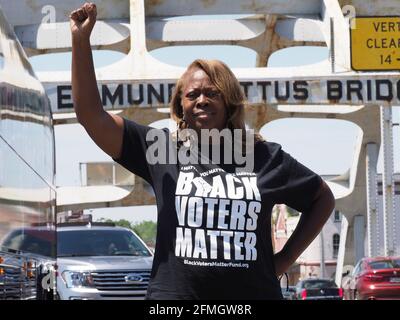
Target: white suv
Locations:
point(99, 261)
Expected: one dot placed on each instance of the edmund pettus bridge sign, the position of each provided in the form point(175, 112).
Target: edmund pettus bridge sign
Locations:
point(375, 90)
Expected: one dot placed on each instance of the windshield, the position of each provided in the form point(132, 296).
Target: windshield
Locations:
point(75, 243)
point(318, 284)
point(385, 264)
point(31, 240)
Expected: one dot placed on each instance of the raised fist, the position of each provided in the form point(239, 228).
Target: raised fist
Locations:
point(82, 21)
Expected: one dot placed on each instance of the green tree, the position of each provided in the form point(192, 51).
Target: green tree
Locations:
point(146, 230)
point(124, 223)
point(121, 223)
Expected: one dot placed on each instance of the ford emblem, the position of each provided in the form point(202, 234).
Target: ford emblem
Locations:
point(133, 278)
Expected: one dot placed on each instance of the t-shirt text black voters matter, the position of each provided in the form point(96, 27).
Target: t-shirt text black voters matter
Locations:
point(217, 215)
point(214, 221)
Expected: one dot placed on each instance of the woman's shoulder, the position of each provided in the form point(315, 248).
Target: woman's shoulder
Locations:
point(267, 147)
point(268, 155)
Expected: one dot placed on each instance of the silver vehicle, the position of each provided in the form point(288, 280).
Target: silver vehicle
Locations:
point(98, 261)
point(27, 173)
point(26, 257)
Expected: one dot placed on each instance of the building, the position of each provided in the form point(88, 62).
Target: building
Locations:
point(320, 258)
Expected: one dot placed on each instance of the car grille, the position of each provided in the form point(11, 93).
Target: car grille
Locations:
point(116, 281)
point(14, 285)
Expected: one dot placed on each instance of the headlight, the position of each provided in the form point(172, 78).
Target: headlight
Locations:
point(76, 279)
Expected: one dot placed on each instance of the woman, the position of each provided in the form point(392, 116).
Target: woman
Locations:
point(214, 223)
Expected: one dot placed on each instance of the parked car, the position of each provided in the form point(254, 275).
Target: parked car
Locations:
point(101, 261)
point(375, 278)
point(94, 261)
point(15, 282)
point(318, 289)
point(25, 256)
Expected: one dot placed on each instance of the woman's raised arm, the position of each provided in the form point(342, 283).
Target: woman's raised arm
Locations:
point(105, 129)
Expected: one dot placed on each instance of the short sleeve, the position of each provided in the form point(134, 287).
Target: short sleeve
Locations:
point(301, 184)
point(134, 147)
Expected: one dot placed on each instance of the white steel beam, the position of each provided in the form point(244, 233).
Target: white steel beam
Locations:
point(56, 37)
point(375, 7)
point(387, 181)
point(115, 34)
point(300, 28)
point(342, 250)
point(50, 11)
point(359, 237)
point(186, 7)
point(39, 10)
point(204, 29)
point(372, 194)
point(338, 39)
point(290, 31)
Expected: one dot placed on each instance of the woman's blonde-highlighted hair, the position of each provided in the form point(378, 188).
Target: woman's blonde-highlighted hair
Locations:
point(225, 81)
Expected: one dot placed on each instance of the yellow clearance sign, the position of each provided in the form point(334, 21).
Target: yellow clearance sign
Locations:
point(375, 44)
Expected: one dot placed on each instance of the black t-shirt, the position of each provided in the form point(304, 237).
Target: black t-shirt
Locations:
point(214, 224)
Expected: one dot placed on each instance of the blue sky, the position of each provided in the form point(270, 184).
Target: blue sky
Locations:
point(328, 152)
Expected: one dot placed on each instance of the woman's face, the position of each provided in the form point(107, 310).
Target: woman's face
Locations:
point(202, 103)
